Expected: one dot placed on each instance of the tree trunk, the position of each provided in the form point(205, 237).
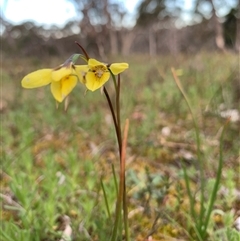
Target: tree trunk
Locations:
point(152, 42)
point(173, 41)
point(127, 38)
point(237, 41)
point(113, 41)
point(219, 37)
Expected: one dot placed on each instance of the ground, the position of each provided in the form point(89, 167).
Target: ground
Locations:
point(53, 160)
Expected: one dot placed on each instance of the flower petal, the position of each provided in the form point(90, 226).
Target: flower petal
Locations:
point(56, 91)
point(68, 83)
point(37, 79)
point(118, 68)
point(81, 71)
point(93, 62)
point(61, 89)
point(93, 83)
point(61, 72)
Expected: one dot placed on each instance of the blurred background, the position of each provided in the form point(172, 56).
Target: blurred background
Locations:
point(48, 28)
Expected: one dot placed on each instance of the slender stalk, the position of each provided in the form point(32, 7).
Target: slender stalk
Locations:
point(113, 116)
point(177, 81)
point(118, 215)
point(118, 114)
point(122, 152)
point(114, 80)
point(84, 51)
point(117, 90)
point(120, 191)
point(115, 178)
point(191, 198)
point(122, 197)
point(217, 182)
point(105, 198)
point(123, 164)
point(119, 201)
point(203, 223)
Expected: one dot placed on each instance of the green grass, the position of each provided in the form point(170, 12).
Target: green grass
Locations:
point(53, 161)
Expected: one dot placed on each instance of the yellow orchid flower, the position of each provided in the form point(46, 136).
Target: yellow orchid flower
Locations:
point(62, 79)
point(98, 73)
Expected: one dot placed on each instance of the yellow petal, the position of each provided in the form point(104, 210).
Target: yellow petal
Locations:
point(56, 91)
point(118, 68)
point(61, 72)
point(61, 89)
point(81, 71)
point(37, 79)
point(68, 83)
point(93, 83)
point(93, 62)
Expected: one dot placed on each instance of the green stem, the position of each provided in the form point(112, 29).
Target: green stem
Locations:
point(123, 164)
point(113, 115)
point(114, 81)
point(105, 198)
point(115, 178)
point(177, 81)
point(217, 182)
point(191, 198)
point(120, 191)
point(122, 197)
point(118, 119)
point(122, 152)
point(118, 114)
point(117, 217)
point(119, 203)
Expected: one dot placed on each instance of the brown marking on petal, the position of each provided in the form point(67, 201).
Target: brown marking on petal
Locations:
point(57, 68)
point(84, 77)
point(68, 66)
point(99, 70)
